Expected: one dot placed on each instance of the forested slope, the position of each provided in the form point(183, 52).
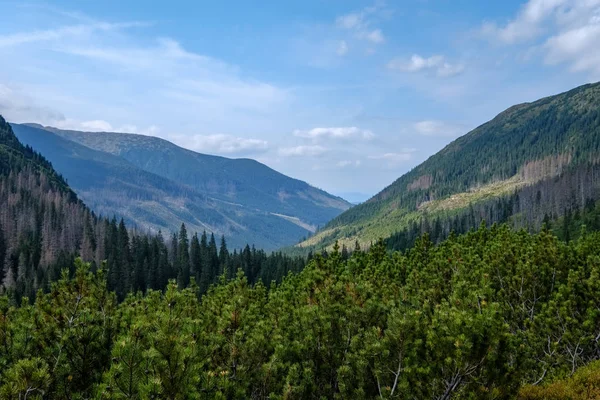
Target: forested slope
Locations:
point(475, 317)
point(41, 219)
point(534, 161)
point(44, 227)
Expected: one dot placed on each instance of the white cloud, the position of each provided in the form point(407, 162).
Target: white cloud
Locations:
point(342, 48)
point(17, 106)
point(99, 125)
point(350, 21)
point(435, 63)
point(405, 154)
point(21, 38)
point(188, 77)
point(96, 125)
point(527, 24)
point(348, 163)
point(152, 130)
point(176, 77)
point(302, 151)
point(447, 70)
point(221, 144)
point(168, 49)
point(375, 36)
point(323, 45)
point(393, 160)
point(565, 31)
point(360, 24)
point(577, 46)
point(351, 132)
point(438, 128)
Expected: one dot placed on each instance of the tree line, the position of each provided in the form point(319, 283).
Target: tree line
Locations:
point(137, 262)
point(564, 203)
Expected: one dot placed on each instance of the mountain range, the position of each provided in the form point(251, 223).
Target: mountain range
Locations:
point(532, 163)
point(156, 185)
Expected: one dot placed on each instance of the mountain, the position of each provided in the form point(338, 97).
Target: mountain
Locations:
point(155, 184)
point(42, 222)
point(44, 226)
point(355, 197)
point(111, 185)
point(532, 163)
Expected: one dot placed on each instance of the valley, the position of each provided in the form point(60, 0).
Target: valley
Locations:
point(329, 200)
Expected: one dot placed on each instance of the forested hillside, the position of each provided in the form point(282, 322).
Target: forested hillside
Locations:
point(157, 185)
point(44, 227)
point(533, 162)
point(476, 317)
point(41, 219)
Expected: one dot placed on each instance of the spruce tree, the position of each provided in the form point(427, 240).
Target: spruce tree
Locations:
point(213, 257)
point(164, 266)
point(224, 259)
point(2, 254)
point(195, 258)
point(124, 260)
point(154, 276)
point(205, 272)
point(183, 259)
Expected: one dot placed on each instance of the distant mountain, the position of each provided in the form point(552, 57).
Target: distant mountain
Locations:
point(534, 162)
point(355, 197)
point(155, 184)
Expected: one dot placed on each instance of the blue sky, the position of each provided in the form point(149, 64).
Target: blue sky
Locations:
point(346, 95)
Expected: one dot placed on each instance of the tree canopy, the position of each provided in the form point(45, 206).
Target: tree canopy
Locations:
point(476, 316)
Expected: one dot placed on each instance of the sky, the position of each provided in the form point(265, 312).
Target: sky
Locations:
point(346, 95)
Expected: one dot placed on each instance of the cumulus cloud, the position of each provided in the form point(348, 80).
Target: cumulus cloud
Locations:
point(436, 63)
point(151, 130)
point(438, 128)
point(393, 160)
point(577, 46)
point(350, 21)
point(302, 151)
point(17, 106)
point(375, 36)
point(527, 24)
point(96, 125)
point(566, 31)
point(99, 125)
point(342, 48)
point(221, 144)
point(360, 23)
point(351, 132)
point(348, 163)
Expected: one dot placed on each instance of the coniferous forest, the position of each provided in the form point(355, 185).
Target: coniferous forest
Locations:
point(489, 315)
point(460, 306)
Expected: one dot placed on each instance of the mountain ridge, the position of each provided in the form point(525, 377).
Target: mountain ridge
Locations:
point(126, 144)
point(523, 145)
point(246, 201)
